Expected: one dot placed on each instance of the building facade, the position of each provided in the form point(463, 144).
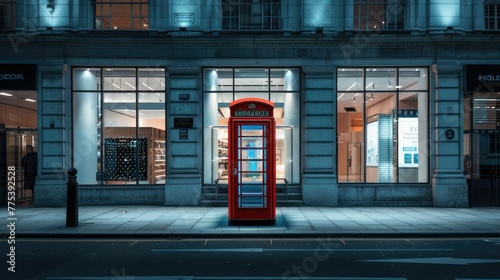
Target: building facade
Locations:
point(377, 103)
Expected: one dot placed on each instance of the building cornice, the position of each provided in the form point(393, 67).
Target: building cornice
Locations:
point(159, 39)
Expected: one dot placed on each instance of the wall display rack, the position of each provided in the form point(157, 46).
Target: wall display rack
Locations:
point(222, 148)
point(120, 158)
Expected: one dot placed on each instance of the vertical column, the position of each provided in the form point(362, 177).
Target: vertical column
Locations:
point(449, 185)
point(53, 134)
point(349, 15)
point(159, 18)
point(82, 15)
point(478, 16)
point(184, 143)
point(291, 15)
point(319, 181)
point(317, 14)
point(416, 15)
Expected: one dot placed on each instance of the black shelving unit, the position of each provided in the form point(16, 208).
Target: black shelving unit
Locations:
point(120, 158)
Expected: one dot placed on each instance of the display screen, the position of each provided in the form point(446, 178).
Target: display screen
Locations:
point(372, 144)
point(408, 142)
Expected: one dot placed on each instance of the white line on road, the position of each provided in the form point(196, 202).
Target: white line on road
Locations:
point(446, 260)
point(261, 250)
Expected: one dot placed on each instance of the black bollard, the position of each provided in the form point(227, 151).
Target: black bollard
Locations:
point(72, 199)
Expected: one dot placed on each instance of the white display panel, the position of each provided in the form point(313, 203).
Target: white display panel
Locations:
point(372, 144)
point(408, 142)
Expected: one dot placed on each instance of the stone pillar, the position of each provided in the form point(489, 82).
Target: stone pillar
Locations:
point(319, 181)
point(478, 16)
point(53, 135)
point(184, 145)
point(449, 185)
point(159, 15)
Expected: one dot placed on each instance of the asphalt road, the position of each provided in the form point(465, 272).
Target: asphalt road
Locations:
point(320, 258)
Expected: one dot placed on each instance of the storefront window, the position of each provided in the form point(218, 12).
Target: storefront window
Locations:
point(221, 86)
point(382, 125)
point(119, 125)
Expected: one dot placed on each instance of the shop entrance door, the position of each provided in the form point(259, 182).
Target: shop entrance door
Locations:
point(483, 168)
point(354, 162)
point(252, 163)
point(13, 144)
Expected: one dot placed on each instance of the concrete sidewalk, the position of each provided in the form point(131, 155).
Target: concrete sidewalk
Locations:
point(302, 221)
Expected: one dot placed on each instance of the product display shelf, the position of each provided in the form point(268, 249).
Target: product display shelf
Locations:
point(152, 155)
point(223, 159)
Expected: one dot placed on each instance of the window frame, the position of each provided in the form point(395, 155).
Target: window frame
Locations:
point(101, 92)
point(376, 18)
point(232, 15)
point(492, 15)
point(142, 6)
point(364, 92)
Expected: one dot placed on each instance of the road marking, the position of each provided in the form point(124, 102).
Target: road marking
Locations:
point(229, 250)
point(496, 241)
point(447, 260)
point(212, 278)
point(261, 250)
point(123, 277)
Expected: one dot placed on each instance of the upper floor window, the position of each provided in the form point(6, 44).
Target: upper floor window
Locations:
point(7, 14)
point(492, 15)
point(378, 14)
point(121, 14)
point(251, 14)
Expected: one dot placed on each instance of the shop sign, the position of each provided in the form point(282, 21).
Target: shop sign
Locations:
point(483, 78)
point(183, 122)
point(17, 77)
point(251, 113)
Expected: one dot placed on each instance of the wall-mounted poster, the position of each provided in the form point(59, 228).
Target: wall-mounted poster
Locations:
point(372, 144)
point(408, 142)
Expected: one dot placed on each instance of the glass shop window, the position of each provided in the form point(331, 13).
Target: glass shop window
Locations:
point(119, 125)
point(382, 122)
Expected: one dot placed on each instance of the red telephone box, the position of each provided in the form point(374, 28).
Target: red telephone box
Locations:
point(252, 162)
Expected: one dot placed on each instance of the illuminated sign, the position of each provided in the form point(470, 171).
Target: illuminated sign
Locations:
point(408, 142)
point(17, 76)
point(489, 77)
point(251, 113)
point(372, 144)
point(184, 18)
point(483, 78)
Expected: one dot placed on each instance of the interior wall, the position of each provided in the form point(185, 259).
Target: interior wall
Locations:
point(13, 117)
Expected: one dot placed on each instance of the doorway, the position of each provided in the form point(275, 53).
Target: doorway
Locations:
point(482, 168)
point(354, 162)
point(13, 143)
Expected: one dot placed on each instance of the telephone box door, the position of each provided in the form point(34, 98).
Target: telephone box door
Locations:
point(252, 164)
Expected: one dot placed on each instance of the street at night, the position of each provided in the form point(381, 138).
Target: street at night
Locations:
point(256, 258)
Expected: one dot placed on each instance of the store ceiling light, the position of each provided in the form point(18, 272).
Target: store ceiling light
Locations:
point(30, 100)
point(5, 94)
